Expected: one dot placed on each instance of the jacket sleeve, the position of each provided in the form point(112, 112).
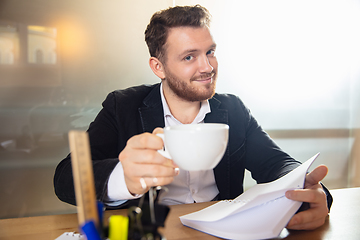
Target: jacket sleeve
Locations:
point(105, 147)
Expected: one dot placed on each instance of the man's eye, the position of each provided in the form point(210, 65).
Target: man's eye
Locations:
point(211, 52)
point(188, 58)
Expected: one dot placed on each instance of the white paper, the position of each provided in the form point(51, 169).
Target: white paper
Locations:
point(70, 236)
point(260, 212)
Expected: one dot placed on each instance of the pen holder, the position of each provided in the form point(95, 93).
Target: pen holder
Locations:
point(146, 218)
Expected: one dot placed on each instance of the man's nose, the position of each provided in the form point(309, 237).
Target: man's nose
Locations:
point(204, 65)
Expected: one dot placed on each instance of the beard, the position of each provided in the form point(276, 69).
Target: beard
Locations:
point(190, 92)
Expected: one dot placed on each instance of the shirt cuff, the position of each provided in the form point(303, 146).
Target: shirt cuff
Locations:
point(117, 190)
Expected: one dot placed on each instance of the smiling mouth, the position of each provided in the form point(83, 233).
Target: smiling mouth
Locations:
point(205, 78)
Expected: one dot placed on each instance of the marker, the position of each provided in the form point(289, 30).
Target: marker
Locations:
point(90, 231)
point(118, 227)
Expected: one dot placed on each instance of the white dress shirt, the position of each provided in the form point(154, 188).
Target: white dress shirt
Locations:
point(187, 187)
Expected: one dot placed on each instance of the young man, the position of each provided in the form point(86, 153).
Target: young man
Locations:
point(124, 145)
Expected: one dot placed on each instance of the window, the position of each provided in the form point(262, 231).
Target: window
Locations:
point(42, 45)
point(8, 43)
point(39, 56)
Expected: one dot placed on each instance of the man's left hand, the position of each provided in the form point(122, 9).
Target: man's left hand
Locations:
point(314, 194)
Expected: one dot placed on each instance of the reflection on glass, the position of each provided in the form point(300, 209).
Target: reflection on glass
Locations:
point(9, 42)
point(53, 79)
point(41, 45)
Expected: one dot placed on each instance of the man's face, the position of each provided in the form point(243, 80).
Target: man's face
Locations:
point(191, 66)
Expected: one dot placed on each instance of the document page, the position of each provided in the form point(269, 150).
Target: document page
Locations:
point(260, 212)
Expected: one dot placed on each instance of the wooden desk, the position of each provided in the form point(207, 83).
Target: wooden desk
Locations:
point(343, 223)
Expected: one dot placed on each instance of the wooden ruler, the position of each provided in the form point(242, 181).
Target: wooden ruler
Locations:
point(83, 177)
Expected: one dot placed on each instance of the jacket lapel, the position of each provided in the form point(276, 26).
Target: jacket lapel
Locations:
point(222, 170)
point(216, 115)
point(151, 113)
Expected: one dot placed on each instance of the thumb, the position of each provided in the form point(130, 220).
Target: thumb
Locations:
point(316, 175)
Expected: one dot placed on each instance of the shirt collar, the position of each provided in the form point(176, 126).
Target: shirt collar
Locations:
point(204, 109)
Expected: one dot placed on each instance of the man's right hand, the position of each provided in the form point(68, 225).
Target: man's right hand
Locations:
point(143, 166)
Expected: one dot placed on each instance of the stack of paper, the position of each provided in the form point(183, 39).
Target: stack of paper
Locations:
point(259, 213)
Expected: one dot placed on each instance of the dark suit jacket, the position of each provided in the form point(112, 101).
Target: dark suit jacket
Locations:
point(139, 109)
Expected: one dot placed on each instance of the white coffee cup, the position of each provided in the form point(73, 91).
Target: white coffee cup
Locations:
point(195, 147)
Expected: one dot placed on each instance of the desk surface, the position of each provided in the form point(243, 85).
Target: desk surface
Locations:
point(343, 222)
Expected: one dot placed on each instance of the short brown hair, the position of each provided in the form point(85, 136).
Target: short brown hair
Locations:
point(157, 30)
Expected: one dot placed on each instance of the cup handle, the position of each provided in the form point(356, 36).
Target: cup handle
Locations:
point(163, 151)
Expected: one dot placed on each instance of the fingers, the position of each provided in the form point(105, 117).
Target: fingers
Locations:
point(313, 217)
point(143, 166)
point(309, 219)
point(147, 182)
point(316, 175)
point(145, 156)
point(158, 130)
point(315, 195)
point(150, 170)
point(141, 184)
point(145, 141)
point(305, 221)
point(143, 149)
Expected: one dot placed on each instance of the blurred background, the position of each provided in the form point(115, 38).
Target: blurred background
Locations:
point(295, 64)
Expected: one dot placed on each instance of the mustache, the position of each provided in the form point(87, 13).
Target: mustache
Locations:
point(204, 76)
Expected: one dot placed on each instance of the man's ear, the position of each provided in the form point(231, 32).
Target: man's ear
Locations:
point(157, 67)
